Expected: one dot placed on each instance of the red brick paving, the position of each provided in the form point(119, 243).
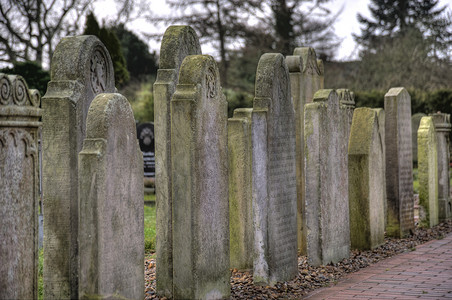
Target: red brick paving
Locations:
point(425, 273)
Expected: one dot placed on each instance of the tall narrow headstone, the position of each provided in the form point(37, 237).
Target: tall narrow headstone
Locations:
point(19, 188)
point(442, 128)
point(81, 68)
point(427, 171)
point(399, 163)
point(177, 43)
point(366, 181)
point(111, 235)
point(274, 175)
point(415, 122)
point(200, 182)
point(381, 130)
point(240, 191)
point(327, 208)
point(306, 77)
point(347, 100)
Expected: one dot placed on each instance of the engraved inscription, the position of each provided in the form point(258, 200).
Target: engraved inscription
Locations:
point(98, 72)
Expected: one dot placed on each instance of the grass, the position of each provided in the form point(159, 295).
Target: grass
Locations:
point(415, 181)
point(149, 227)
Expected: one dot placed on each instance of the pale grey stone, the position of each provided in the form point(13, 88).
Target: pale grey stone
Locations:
point(381, 130)
point(240, 190)
point(199, 162)
point(306, 78)
point(111, 236)
point(327, 207)
point(399, 163)
point(81, 68)
point(274, 175)
point(442, 128)
point(19, 193)
point(415, 121)
point(177, 43)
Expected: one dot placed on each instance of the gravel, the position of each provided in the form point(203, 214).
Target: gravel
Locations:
point(310, 278)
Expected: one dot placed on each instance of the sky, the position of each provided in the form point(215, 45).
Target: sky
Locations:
point(345, 26)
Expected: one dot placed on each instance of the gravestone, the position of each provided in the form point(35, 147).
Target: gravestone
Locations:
point(415, 122)
point(81, 68)
point(427, 171)
point(399, 163)
point(326, 158)
point(177, 42)
point(366, 181)
point(199, 153)
point(306, 77)
point(19, 188)
point(442, 128)
point(274, 176)
point(347, 100)
point(381, 130)
point(240, 191)
point(111, 234)
point(145, 134)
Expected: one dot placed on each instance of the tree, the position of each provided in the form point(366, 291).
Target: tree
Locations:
point(110, 40)
point(29, 30)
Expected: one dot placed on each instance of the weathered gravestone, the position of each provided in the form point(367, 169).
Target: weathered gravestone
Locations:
point(327, 208)
point(306, 78)
point(177, 43)
point(19, 188)
point(347, 101)
point(366, 181)
point(145, 134)
point(399, 163)
point(274, 175)
point(81, 68)
point(200, 182)
point(442, 128)
point(415, 122)
point(381, 130)
point(427, 171)
point(111, 236)
point(240, 190)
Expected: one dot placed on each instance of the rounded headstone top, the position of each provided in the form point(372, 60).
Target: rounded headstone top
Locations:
point(84, 59)
point(177, 43)
point(271, 69)
point(294, 63)
point(14, 91)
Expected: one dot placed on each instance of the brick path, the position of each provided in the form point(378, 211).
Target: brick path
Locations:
point(425, 273)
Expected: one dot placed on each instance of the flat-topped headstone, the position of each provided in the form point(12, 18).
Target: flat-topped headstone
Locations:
point(366, 181)
point(199, 153)
point(274, 175)
point(415, 122)
point(81, 68)
point(306, 77)
point(111, 239)
point(145, 134)
point(19, 188)
point(177, 43)
point(381, 130)
point(442, 128)
point(427, 171)
point(327, 208)
point(240, 191)
point(399, 163)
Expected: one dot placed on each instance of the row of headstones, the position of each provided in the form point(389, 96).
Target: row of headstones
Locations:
point(92, 182)
point(301, 165)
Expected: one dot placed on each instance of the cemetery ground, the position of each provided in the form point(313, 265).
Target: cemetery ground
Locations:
point(309, 278)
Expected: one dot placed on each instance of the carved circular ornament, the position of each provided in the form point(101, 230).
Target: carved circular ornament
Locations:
point(98, 72)
point(5, 90)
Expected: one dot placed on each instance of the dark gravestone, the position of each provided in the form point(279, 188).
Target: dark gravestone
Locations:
point(145, 134)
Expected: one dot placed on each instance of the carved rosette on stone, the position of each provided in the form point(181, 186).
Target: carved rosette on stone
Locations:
point(19, 124)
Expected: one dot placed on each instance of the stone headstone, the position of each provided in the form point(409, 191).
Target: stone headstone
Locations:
point(19, 188)
point(366, 181)
point(306, 77)
point(199, 153)
point(111, 238)
point(240, 190)
point(177, 43)
point(274, 175)
point(415, 122)
point(399, 163)
point(381, 130)
point(326, 158)
point(427, 171)
point(442, 128)
point(347, 100)
point(81, 68)
point(145, 134)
